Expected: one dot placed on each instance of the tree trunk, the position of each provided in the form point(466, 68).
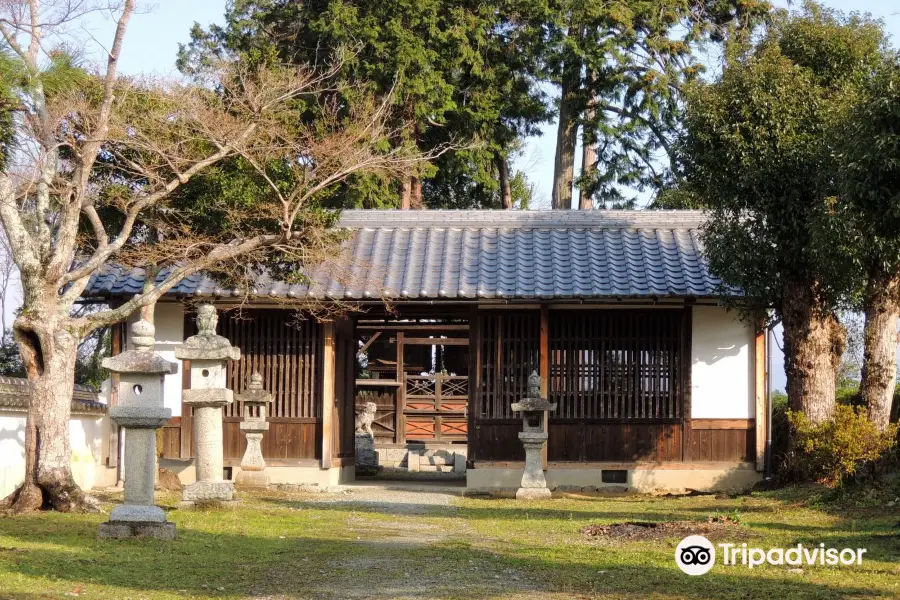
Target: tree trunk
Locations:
point(406, 194)
point(879, 370)
point(814, 341)
point(50, 363)
point(503, 175)
point(415, 192)
point(564, 162)
point(588, 160)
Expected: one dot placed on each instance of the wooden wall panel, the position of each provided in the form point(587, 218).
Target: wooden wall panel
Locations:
point(723, 440)
point(497, 441)
point(285, 440)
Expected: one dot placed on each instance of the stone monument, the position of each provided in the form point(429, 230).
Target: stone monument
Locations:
point(533, 436)
point(140, 413)
point(253, 466)
point(208, 395)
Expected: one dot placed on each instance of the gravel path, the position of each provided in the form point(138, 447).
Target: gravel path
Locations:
point(394, 497)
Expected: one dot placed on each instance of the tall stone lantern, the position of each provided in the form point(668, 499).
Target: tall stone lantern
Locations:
point(140, 413)
point(533, 437)
point(208, 395)
point(253, 465)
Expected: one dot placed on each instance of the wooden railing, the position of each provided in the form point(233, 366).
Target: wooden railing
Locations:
point(437, 393)
point(435, 407)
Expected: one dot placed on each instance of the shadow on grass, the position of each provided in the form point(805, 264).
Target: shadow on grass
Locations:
point(200, 563)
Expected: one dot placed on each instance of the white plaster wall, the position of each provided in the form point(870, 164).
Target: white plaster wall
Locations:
point(722, 350)
point(169, 322)
point(85, 432)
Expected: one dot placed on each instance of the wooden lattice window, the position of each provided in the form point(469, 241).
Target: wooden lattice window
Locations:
point(509, 351)
point(286, 351)
point(617, 364)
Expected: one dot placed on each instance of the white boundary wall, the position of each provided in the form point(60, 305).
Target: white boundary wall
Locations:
point(86, 432)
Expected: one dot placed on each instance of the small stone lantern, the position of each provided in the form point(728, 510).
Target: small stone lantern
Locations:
point(208, 395)
point(533, 436)
point(253, 466)
point(140, 413)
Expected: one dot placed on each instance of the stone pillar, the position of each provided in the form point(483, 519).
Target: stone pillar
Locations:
point(140, 412)
point(207, 396)
point(253, 465)
point(533, 437)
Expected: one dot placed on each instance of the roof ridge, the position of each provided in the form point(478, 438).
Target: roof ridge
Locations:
point(529, 219)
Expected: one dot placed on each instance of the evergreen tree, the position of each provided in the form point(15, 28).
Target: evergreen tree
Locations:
point(461, 73)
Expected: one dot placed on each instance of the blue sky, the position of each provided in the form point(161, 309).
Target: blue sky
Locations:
point(153, 37)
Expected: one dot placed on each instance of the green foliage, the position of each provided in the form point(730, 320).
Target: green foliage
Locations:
point(757, 152)
point(458, 72)
point(844, 447)
point(867, 141)
point(631, 62)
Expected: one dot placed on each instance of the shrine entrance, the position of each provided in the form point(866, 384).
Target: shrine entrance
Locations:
point(416, 372)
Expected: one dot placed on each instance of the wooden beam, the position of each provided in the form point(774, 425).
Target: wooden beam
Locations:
point(377, 383)
point(410, 327)
point(544, 354)
point(420, 341)
point(720, 424)
point(372, 339)
point(328, 400)
point(760, 386)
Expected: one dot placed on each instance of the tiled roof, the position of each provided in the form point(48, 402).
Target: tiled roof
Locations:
point(436, 254)
point(15, 393)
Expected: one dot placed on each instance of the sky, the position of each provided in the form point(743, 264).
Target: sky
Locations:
point(154, 34)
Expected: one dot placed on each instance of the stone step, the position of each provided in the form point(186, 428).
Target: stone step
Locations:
point(436, 468)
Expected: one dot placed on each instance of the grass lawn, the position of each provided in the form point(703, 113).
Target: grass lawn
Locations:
point(279, 545)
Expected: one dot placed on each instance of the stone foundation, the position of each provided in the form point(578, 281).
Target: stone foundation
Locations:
point(122, 531)
point(208, 491)
point(676, 477)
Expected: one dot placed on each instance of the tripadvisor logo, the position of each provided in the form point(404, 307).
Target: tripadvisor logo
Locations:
point(696, 555)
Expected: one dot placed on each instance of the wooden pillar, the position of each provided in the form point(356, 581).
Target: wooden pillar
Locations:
point(117, 341)
point(687, 435)
point(473, 405)
point(399, 418)
point(760, 382)
point(328, 400)
point(544, 352)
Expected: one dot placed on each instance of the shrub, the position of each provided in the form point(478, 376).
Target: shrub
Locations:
point(844, 447)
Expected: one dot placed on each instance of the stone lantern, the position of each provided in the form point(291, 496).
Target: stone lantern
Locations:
point(253, 466)
point(208, 395)
point(533, 435)
point(140, 413)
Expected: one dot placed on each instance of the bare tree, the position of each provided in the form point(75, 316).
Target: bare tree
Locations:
point(96, 174)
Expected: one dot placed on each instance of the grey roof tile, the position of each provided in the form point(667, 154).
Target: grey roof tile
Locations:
point(488, 254)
